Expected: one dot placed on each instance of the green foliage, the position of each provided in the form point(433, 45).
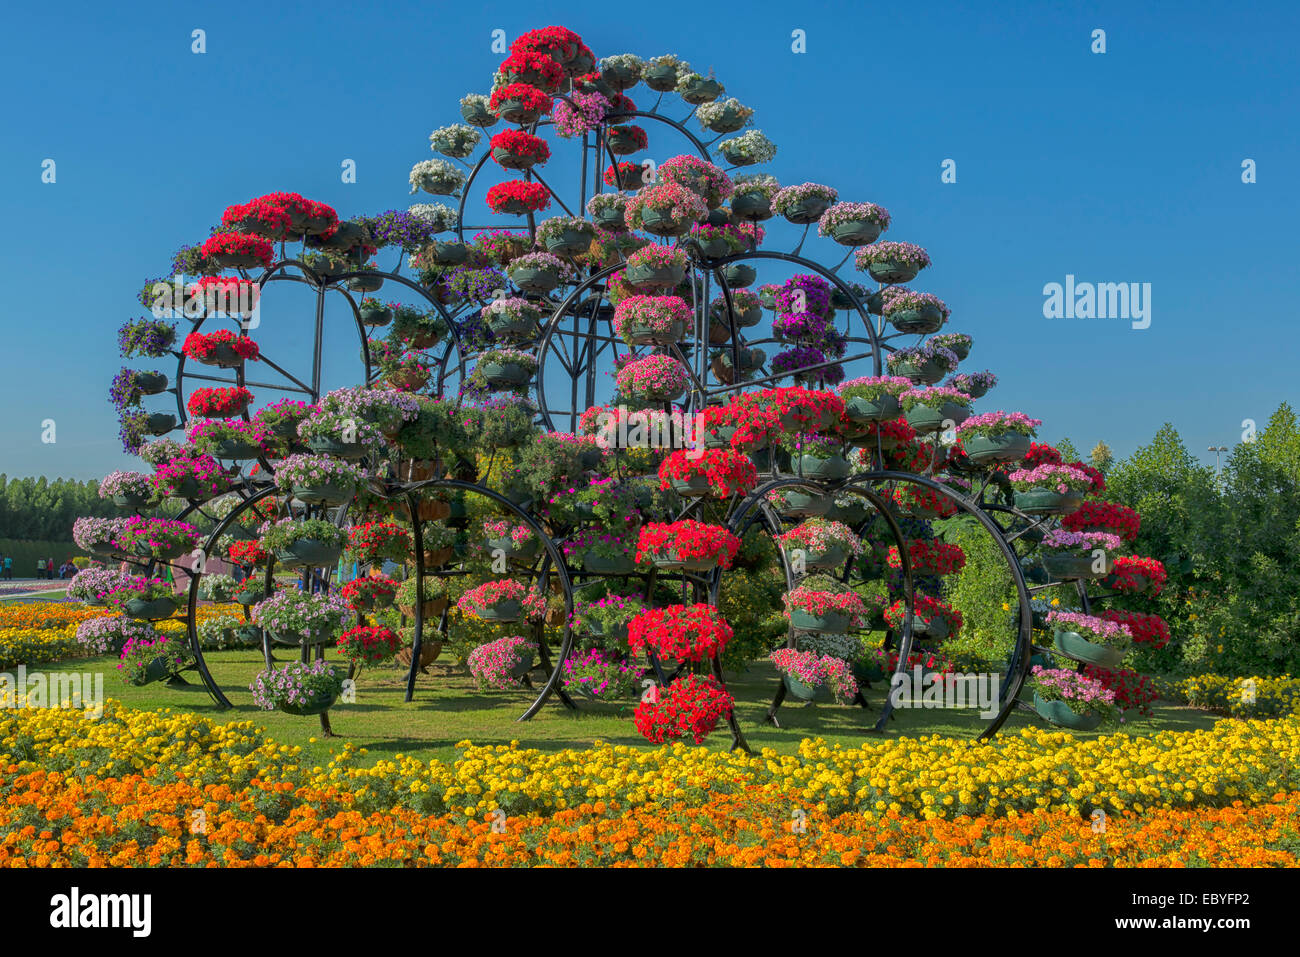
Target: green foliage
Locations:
point(41, 510)
point(984, 594)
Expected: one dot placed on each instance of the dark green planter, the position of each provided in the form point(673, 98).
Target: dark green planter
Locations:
point(535, 279)
point(693, 487)
point(509, 610)
point(729, 120)
point(1009, 447)
point(830, 623)
point(921, 321)
point(366, 283)
point(807, 210)
point(825, 470)
point(150, 383)
point(476, 115)
point(508, 546)
point(833, 557)
point(376, 315)
point(599, 565)
point(1042, 501)
point(234, 450)
point(929, 372)
point(701, 91)
point(660, 78)
point(654, 276)
point(155, 670)
point(506, 375)
point(863, 410)
point(1060, 713)
point(514, 111)
point(328, 445)
point(509, 160)
point(249, 634)
point(663, 561)
point(611, 218)
point(751, 206)
point(1067, 566)
point(861, 232)
point(805, 504)
point(961, 351)
point(739, 275)
point(309, 552)
point(1074, 645)
point(936, 629)
point(329, 494)
point(525, 664)
point(153, 609)
point(570, 242)
point(297, 641)
point(663, 223)
point(866, 672)
point(927, 419)
point(449, 253)
point(318, 703)
point(160, 423)
point(249, 597)
point(131, 501)
point(892, 272)
point(851, 515)
point(512, 327)
point(622, 144)
point(802, 691)
point(638, 335)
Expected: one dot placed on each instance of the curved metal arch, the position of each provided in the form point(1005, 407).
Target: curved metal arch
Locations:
point(553, 553)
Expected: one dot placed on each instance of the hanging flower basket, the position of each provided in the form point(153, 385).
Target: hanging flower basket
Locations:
point(160, 423)
point(537, 273)
point(804, 203)
point(688, 545)
point(625, 140)
point(1061, 714)
point(500, 600)
point(696, 89)
point(916, 313)
point(854, 224)
point(892, 262)
point(652, 320)
point(752, 205)
point(475, 111)
point(151, 609)
point(518, 197)
point(502, 370)
point(517, 150)
point(519, 103)
point(655, 378)
point(935, 409)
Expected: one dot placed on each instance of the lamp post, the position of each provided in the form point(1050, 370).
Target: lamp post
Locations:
point(1218, 450)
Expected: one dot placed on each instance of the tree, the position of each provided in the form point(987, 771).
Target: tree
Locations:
point(1101, 457)
point(1068, 452)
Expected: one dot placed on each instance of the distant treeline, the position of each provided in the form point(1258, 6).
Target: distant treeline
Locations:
point(37, 509)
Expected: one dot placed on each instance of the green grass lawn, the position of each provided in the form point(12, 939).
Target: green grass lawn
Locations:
point(449, 708)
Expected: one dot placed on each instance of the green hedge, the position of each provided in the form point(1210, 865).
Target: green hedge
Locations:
point(25, 554)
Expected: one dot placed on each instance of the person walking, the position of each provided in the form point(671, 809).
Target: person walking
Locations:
point(49, 568)
point(40, 568)
point(9, 568)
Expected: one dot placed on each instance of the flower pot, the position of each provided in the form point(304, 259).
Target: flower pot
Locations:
point(248, 597)
point(850, 515)
point(1060, 713)
point(325, 494)
point(1073, 645)
point(131, 501)
point(831, 622)
point(429, 609)
point(155, 670)
point(448, 253)
point(162, 553)
point(309, 552)
point(514, 111)
point(611, 218)
point(863, 410)
point(866, 672)
point(192, 490)
point(407, 380)
point(236, 450)
point(368, 283)
point(328, 445)
point(160, 423)
point(1043, 501)
point(805, 692)
point(597, 564)
point(890, 271)
point(664, 561)
point(739, 275)
point(1069, 566)
point(807, 210)
point(833, 557)
point(857, 232)
point(569, 242)
point(524, 665)
point(829, 469)
point(642, 277)
point(800, 504)
point(236, 260)
point(509, 610)
point(926, 419)
point(477, 114)
point(437, 557)
point(318, 703)
point(936, 628)
point(510, 160)
point(751, 206)
point(295, 640)
point(376, 315)
point(1009, 447)
point(702, 90)
point(526, 551)
point(928, 372)
point(506, 375)
point(150, 383)
point(921, 321)
point(152, 609)
point(663, 223)
point(642, 335)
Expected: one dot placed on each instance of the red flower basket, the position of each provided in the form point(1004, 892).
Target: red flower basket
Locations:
point(247, 553)
point(1132, 691)
point(532, 69)
point(680, 632)
point(1136, 576)
point(1040, 453)
point(518, 197)
point(238, 249)
point(929, 558)
point(926, 610)
point(369, 592)
point(221, 348)
point(692, 706)
point(228, 294)
point(1146, 629)
point(375, 541)
point(716, 472)
point(368, 644)
point(515, 149)
point(695, 546)
point(519, 103)
point(1105, 517)
point(222, 403)
point(259, 218)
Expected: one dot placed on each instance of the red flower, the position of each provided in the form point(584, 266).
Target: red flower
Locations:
point(202, 345)
point(530, 97)
point(375, 540)
point(680, 632)
point(929, 558)
point(1146, 629)
point(521, 144)
point(629, 173)
point(687, 541)
point(1040, 453)
point(219, 403)
point(517, 197)
point(368, 644)
point(1106, 517)
point(360, 591)
point(1098, 480)
point(246, 553)
point(1132, 690)
point(926, 609)
point(1139, 575)
point(638, 135)
point(559, 43)
point(728, 472)
point(534, 69)
point(244, 244)
point(691, 705)
point(260, 218)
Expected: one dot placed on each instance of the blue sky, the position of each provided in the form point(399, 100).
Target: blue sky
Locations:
point(1115, 167)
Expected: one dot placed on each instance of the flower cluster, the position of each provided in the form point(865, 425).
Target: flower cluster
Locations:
point(308, 617)
point(653, 378)
point(692, 705)
point(492, 664)
point(655, 314)
point(520, 148)
point(125, 483)
point(1056, 478)
point(582, 113)
point(687, 541)
point(842, 213)
point(374, 541)
point(220, 403)
point(1137, 575)
point(817, 670)
point(819, 602)
point(157, 535)
point(679, 203)
point(700, 177)
point(1148, 630)
point(368, 644)
point(238, 244)
point(908, 254)
point(102, 636)
point(929, 557)
point(476, 601)
point(994, 424)
point(727, 471)
point(1101, 630)
point(1072, 687)
point(873, 388)
point(599, 674)
point(518, 196)
point(297, 685)
point(1082, 543)
point(314, 471)
point(925, 609)
point(365, 591)
point(202, 471)
point(680, 632)
point(504, 530)
point(1106, 517)
point(819, 535)
point(1132, 691)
